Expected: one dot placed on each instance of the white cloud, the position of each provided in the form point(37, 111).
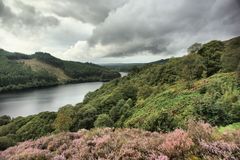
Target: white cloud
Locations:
point(106, 30)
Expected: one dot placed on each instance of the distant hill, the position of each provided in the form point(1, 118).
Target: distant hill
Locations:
point(128, 67)
point(123, 67)
point(20, 71)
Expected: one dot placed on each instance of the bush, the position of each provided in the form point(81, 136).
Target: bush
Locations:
point(6, 142)
point(4, 120)
point(64, 119)
point(103, 120)
point(107, 143)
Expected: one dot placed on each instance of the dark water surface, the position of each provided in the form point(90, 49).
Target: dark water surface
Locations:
point(29, 102)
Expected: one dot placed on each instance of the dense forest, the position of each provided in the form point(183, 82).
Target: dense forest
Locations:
point(20, 71)
point(201, 86)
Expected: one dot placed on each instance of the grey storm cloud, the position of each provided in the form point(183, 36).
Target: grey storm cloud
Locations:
point(160, 26)
point(121, 28)
point(27, 17)
point(87, 11)
point(5, 12)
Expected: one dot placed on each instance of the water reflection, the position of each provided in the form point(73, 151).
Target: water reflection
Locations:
point(48, 99)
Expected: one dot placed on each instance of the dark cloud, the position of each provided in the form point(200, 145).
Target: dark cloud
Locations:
point(88, 11)
point(119, 28)
point(28, 17)
point(5, 12)
point(159, 26)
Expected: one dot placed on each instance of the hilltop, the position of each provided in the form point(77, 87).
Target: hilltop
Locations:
point(20, 71)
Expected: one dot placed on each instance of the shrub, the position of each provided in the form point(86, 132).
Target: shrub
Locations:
point(107, 143)
point(4, 120)
point(6, 142)
point(176, 144)
point(103, 120)
point(64, 119)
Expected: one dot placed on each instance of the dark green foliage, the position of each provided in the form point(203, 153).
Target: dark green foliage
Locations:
point(123, 67)
point(115, 112)
point(78, 71)
point(40, 125)
point(144, 91)
point(129, 91)
point(212, 52)
point(13, 55)
point(193, 68)
point(14, 125)
point(88, 71)
point(103, 120)
point(4, 120)
point(154, 97)
point(64, 119)
point(125, 112)
point(231, 57)
point(6, 142)
point(164, 122)
point(31, 127)
point(194, 48)
point(15, 75)
point(85, 118)
point(220, 104)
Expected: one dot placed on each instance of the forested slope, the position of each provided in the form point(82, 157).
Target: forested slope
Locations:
point(20, 71)
point(203, 85)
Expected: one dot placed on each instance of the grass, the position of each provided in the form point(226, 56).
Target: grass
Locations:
point(231, 127)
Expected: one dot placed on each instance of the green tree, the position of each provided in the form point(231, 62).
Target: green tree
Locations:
point(193, 68)
point(115, 110)
point(194, 48)
point(85, 118)
point(4, 120)
point(103, 120)
point(6, 142)
point(64, 119)
point(212, 52)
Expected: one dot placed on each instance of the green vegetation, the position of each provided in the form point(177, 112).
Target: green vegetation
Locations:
point(64, 119)
point(19, 71)
point(123, 67)
point(4, 120)
point(156, 97)
point(103, 120)
point(231, 127)
point(129, 67)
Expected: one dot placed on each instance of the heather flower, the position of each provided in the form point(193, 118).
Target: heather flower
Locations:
point(99, 141)
point(220, 148)
point(158, 157)
point(59, 157)
point(106, 143)
point(200, 131)
point(32, 153)
point(176, 143)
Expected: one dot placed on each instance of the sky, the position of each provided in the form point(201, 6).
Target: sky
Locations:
point(115, 31)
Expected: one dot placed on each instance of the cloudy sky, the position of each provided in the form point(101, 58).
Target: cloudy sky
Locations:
point(103, 31)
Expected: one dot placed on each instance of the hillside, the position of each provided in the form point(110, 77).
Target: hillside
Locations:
point(37, 65)
point(20, 71)
point(203, 85)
